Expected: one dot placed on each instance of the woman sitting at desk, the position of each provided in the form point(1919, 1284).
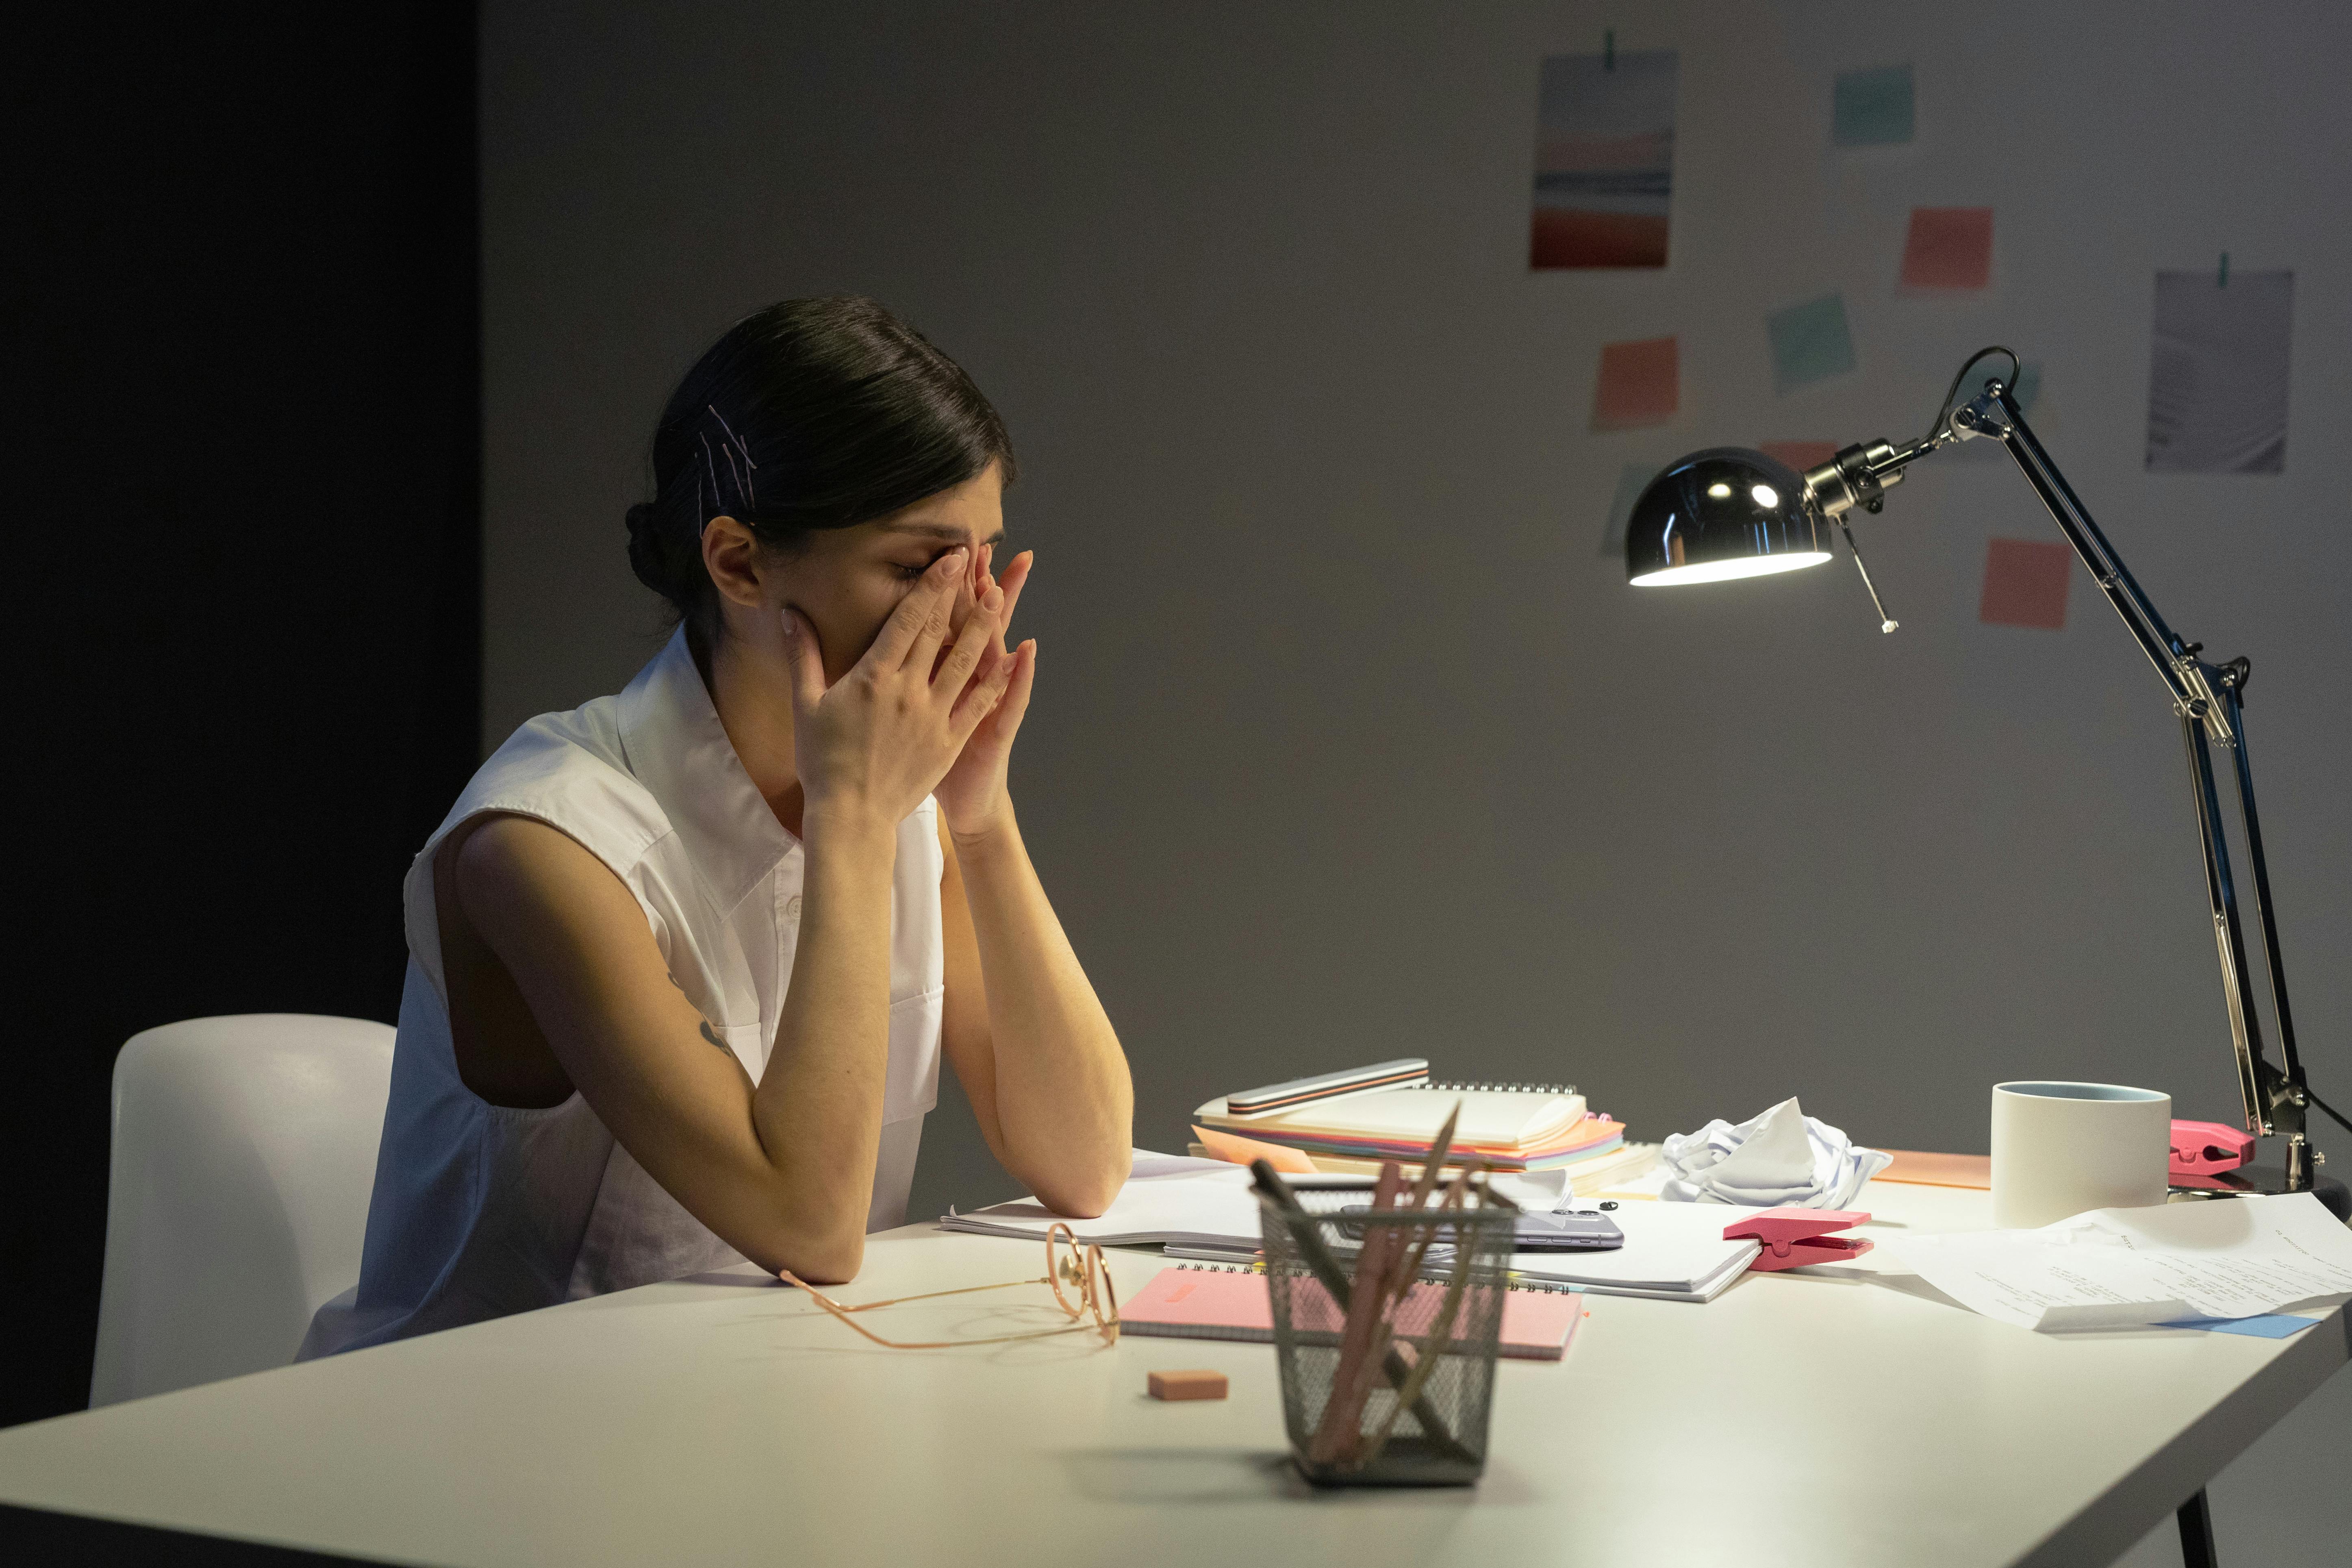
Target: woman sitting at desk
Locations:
point(682, 961)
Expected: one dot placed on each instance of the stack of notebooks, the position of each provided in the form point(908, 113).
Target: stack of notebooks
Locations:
point(1202, 1301)
point(1348, 1122)
point(1206, 1210)
point(1672, 1252)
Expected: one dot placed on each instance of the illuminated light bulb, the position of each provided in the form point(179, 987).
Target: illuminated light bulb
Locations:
point(1766, 497)
point(1723, 570)
point(1718, 489)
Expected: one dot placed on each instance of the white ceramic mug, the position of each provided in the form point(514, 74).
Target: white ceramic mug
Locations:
point(2059, 1149)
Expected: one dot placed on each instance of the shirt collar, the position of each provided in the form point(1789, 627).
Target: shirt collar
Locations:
point(676, 747)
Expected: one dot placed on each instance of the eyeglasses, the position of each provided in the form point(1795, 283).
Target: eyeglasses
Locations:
point(1067, 1264)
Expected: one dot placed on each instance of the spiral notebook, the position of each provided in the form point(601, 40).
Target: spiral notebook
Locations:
point(1207, 1301)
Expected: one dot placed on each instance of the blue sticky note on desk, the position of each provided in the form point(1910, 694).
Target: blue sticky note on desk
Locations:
point(1811, 342)
point(2267, 1326)
point(1871, 108)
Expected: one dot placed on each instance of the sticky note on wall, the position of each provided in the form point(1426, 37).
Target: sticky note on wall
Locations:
point(1639, 384)
point(2027, 388)
point(1632, 480)
point(1949, 248)
point(1871, 108)
point(1811, 342)
point(1800, 455)
point(2025, 584)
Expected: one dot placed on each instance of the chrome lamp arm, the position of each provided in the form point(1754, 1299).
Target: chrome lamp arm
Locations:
point(2208, 700)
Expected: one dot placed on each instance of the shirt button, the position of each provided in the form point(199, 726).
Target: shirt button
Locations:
point(793, 908)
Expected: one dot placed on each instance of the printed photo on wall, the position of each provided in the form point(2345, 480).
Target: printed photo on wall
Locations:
point(1604, 160)
point(2218, 379)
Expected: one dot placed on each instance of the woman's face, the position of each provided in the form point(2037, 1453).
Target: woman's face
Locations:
point(846, 581)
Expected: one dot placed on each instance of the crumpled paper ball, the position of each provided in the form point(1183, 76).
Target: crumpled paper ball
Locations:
point(1783, 1158)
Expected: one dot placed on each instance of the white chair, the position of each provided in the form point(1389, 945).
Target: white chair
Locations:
point(244, 1154)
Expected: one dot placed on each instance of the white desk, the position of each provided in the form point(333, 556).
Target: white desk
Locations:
point(1820, 1420)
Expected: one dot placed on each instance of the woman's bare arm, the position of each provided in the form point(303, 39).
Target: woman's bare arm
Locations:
point(783, 1172)
point(1030, 1042)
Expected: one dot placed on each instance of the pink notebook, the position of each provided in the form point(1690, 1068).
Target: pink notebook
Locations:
point(1203, 1301)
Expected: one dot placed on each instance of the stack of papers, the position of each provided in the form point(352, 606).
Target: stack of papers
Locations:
point(2115, 1268)
point(1207, 1209)
point(1512, 1129)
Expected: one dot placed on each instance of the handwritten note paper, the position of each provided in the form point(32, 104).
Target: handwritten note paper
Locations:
point(1639, 384)
point(1871, 108)
point(2025, 584)
point(1811, 342)
point(1949, 248)
point(2130, 1267)
point(2218, 381)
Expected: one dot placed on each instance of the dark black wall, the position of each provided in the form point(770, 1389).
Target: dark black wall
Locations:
point(240, 412)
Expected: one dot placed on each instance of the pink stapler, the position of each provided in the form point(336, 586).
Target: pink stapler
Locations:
point(2207, 1148)
point(1794, 1237)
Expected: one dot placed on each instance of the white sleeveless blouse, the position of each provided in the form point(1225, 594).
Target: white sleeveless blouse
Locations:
point(481, 1210)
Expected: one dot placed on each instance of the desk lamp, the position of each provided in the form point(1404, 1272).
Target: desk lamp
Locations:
point(1728, 512)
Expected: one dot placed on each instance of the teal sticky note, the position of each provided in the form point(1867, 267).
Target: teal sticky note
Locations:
point(1632, 480)
point(1810, 343)
point(2029, 385)
point(1871, 108)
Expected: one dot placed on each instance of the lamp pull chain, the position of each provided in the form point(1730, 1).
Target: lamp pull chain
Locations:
point(1886, 623)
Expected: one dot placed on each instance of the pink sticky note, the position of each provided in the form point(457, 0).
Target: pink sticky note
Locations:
point(1950, 247)
point(1638, 385)
point(2025, 584)
point(1800, 455)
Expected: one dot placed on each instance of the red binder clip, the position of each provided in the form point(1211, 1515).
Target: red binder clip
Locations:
point(1794, 1237)
point(2205, 1148)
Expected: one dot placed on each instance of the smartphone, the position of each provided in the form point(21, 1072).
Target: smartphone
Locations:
point(1566, 1233)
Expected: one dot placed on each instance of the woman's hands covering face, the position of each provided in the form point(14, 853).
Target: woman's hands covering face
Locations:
point(903, 719)
point(971, 792)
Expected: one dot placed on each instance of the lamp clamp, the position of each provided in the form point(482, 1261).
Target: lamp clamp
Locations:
point(1860, 476)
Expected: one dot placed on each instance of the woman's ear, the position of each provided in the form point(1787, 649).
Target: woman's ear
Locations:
point(731, 552)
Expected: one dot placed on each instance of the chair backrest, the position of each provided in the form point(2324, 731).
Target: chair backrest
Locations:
point(243, 1157)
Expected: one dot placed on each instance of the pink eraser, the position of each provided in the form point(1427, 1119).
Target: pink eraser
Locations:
point(1186, 1384)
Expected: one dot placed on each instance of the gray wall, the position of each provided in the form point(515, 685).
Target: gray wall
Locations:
point(1347, 741)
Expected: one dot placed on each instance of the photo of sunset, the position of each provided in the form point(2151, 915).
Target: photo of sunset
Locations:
point(1604, 160)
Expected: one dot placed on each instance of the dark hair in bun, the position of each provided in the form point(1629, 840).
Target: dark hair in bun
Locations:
point(811, 414)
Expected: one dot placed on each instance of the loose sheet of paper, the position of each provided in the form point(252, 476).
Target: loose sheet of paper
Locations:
point(2237, 1258)
point(2217, 394)
point(1166, 1198)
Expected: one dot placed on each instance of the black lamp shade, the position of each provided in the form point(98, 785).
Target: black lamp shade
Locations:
point(1723, 512)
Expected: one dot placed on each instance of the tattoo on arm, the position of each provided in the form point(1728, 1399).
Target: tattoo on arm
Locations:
point(709, 1033)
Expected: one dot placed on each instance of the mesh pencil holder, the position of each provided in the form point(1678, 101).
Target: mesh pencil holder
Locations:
point(1400, 1396)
